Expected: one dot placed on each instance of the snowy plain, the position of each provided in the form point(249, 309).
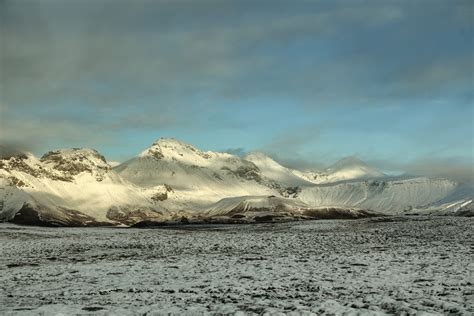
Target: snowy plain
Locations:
point(392, 265)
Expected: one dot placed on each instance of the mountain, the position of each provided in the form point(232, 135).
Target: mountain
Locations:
point(349, 168)
point(459, 202)
point(273, 170)
point(70, 187)
point(171, 179)
point(196, 178)
point(386, 195)
point(264, 208)
point(351, 183)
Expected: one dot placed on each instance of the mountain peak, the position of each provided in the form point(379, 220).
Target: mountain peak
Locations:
point(173, 149)
point(75, 160)
point(169, 141)
point(351, 168)
point(75, 154)
point(169, 148)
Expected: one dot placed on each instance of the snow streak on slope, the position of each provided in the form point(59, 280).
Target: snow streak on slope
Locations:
point(459, 202)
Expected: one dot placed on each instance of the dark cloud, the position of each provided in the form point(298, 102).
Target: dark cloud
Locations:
point(108, 53)
point(10, 149)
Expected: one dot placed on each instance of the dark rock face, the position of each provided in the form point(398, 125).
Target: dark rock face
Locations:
point(27, 215)
point(30, 215)
point(18, 163)
point(290, 191)
point(134, 216)
point(246, 172)
point(160, 196)
point(266, 218)
point(16, 182)
point(5, 154)
point(80, 162)
point(337, 213)
point(377, 186)
point(148, 224)
point(467, 210)
point(156, 153)
point(205, 156)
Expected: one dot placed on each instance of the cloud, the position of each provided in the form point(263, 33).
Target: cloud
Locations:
point(72, 71)
point(240, 151)
point(36, 136)
point(291, 141)
point(107, 57)
point(456, 169)
point(9, 149)
point(298, 162)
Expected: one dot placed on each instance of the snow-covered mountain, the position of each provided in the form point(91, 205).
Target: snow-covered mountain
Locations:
point(386, 195)
point(349, 168)
point(71, 187)
point(459, 202)
point(171, 179)
point(258, 208)
point(197, 178)
point(273, 170)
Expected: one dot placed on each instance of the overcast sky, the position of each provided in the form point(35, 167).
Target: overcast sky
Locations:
point(309, 82)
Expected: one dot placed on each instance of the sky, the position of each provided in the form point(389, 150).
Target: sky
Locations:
point(308, 82)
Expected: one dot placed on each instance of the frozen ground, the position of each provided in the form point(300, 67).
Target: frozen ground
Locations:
point(391, 265)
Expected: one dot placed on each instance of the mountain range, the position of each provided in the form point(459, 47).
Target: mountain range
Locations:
point(172, 181)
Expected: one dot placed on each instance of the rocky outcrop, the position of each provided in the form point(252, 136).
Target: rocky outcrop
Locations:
point(28, 164)
point(132, 216)
point(36, 215)
point(72, 162)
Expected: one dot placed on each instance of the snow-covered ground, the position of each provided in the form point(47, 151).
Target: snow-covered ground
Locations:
point(391, 265)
